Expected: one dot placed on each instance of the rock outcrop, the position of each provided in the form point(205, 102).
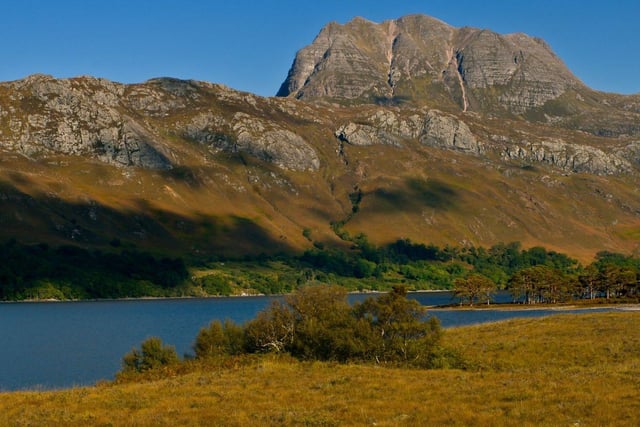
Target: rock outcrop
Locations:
point(263, 139)
point(110, 122)
point(569, 157)
point(430, 127)
point(77, 117)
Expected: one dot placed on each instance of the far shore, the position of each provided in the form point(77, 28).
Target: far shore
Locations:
point(523, 307)
point(510, 306)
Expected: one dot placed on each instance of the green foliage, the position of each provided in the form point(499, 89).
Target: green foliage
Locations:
point(219, 339)
point(399, 332)
point(317, 323)
point(272, 330)
point(70, 272)
point(152, 354)
point(306, 233)
point(541, 284)
point(355, 198)
point(214, 284)
point(473, 288)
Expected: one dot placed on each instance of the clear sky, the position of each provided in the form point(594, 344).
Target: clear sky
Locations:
point(250, 45)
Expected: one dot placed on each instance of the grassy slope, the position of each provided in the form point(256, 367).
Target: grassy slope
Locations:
point(233, 204)
point(561, 370)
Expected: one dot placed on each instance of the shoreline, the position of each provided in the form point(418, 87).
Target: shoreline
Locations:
point(623, 306)
point(151, 298)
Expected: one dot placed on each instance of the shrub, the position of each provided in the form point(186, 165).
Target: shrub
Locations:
point(219, 339)
point(272, 330)
point(399, 331)
point(152, 354)
point(317, 323)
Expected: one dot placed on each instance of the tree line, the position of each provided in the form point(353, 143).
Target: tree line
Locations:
point(533, 275)
point(70, 272)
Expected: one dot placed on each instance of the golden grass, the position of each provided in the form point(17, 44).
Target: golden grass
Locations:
point(557, 371)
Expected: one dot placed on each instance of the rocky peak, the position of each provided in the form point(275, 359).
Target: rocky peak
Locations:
point(420, 59)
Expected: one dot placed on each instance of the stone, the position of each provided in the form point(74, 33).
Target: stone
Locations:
point(430, 127)
point(569, 157)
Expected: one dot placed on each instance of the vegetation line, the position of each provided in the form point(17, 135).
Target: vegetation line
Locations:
point(532, 276)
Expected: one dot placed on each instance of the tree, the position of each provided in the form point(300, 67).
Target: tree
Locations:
point(400, 331)
point(317, 323)
point(617, 280)
point(473, 288)
point(324, 324)
point(522, 286)
point(152, 354)
point(589, 280)
point(541, 284)
point(272, 330)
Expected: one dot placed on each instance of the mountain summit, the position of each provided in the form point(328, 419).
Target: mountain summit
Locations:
point(423, 60)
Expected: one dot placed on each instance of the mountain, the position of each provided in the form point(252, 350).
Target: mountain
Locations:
point(421, 61)
point(406, 129)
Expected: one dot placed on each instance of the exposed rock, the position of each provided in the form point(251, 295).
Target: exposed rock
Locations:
point(525, 71)
point(85, 116)
point(263, 139)
point(335, 52)
point(448, 132)
point(430, 127)
point(79, 117)
point(414, 56)
point(569, 157)
point(269, 142)
point(631, 152)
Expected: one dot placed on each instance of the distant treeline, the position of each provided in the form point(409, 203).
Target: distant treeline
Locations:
point(532, 275)
point(71, 272)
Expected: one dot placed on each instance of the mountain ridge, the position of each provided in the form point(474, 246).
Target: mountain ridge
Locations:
point(198, 168)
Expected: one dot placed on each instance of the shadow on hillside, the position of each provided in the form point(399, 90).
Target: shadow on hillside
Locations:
point(48, 219)
point(414, 193)
point(392, 101)
point(182, 174)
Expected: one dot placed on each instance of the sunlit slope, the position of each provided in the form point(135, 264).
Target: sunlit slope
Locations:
point(199, 169)
point(561, 370)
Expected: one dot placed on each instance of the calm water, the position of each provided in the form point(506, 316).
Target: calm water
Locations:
point(57, 345)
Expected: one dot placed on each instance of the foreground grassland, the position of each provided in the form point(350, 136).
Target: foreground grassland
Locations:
point(564, 370)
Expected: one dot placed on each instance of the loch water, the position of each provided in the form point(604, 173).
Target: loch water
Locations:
point(50, 345)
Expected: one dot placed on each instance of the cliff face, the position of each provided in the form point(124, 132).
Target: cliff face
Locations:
point(420, 59)
point(458, 136)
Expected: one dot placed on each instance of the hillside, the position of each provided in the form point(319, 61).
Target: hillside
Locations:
point(559, 370)
point(199, 169)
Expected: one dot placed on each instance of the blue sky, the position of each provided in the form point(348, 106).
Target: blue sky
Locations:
point(249, 45)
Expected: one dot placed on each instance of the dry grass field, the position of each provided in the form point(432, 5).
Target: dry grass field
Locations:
point(565, 370)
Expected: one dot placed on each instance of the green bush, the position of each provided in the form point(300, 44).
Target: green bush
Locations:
point(317, 323)
point(219, 339)
point(215, 285)
point(152, 354)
